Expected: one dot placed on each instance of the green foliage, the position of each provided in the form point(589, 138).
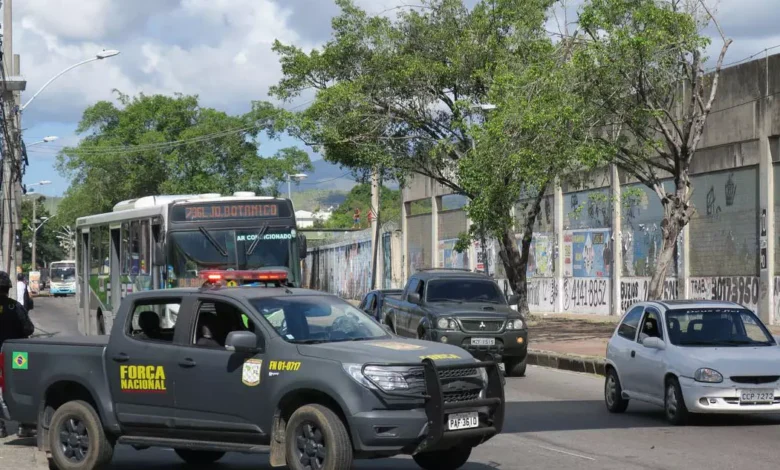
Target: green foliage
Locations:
point(47, 246)
point(360, 197)
point(127, 152)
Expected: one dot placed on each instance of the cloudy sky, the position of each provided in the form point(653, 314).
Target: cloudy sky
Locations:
point(217, 49)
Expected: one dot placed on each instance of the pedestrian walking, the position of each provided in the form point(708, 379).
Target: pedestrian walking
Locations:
point(23, 292)
point(15, 323)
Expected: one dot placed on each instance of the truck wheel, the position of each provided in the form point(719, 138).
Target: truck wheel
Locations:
point(199, 457)
point(450, 459)
point(77, 439)
point(317, 439)
point(515, 367)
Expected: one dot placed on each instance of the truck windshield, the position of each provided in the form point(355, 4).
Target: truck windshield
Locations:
point(225, 249)
point(716, 327)
point(317, 319)
point(464, 290)
point(62, 273)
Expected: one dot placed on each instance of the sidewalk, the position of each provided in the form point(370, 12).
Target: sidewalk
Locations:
point(21, 454)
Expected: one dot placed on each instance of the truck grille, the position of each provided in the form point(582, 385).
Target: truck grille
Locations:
point(461, 396)
point(480, 326)
point(457, 373)
point(755, 379)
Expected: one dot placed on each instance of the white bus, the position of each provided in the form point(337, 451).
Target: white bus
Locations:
point(62, 278)
point(157, 242)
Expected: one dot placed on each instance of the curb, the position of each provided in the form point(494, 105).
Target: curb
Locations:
point(586, 364)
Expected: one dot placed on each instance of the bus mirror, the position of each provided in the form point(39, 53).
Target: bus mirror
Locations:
point(302, 246)
point(159, 255)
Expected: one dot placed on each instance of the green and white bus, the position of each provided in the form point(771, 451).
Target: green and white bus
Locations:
point(62, 278)
point(158, 242)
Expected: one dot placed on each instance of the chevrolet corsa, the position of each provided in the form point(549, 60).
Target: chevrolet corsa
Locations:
point(693, 357)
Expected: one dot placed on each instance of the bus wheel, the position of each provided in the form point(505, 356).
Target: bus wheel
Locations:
point(101, 325)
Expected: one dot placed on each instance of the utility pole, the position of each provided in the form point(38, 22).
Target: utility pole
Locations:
point(376, 242)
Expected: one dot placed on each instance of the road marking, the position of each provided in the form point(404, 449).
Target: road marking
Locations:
point(565, 452)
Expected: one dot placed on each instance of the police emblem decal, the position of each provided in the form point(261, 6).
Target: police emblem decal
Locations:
point(250, 375)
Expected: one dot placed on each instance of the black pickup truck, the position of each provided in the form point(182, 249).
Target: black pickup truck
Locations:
point(462, 308)
point(296, 373)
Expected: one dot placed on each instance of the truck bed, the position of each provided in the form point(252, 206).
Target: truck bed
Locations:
point(31, 365)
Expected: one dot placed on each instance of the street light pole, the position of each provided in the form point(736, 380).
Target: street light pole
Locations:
point(45, 140)
point(33, 226)
point(297, 177)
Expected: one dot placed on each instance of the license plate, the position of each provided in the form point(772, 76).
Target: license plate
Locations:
point(483, 341)
point(463, 421)
point(756, 396)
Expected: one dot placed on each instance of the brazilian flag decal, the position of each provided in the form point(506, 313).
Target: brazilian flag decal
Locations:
point(20, 360)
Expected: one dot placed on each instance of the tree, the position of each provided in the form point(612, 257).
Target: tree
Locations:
point(644, 64)
point(168, 145)
point(360, 197)
point(47, 246)
point(399, 94)
point(540, 131)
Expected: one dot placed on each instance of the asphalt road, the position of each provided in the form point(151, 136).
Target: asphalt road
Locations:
point(555, 420)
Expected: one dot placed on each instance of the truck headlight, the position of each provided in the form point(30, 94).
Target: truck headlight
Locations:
point(515, 324)
point(705, 374)
point(389, 379)
point(447, 324)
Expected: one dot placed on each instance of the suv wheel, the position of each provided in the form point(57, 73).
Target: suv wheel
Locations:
point(450, 459)
point(317, 439)
point(515, 366)
point(613, 393)
point(199, 457)
point(76, 438)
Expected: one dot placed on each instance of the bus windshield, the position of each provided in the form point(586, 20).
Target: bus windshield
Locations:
point(230, 249)
point(62, 272)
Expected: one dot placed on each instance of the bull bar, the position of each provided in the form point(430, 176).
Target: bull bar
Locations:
point(437, 437)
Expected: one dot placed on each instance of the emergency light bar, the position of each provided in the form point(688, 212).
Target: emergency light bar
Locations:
point(217, 276)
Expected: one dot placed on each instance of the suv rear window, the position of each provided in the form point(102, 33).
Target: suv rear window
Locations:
point(464, 290)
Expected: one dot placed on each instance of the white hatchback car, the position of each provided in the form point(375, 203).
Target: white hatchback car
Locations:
point(693, 357)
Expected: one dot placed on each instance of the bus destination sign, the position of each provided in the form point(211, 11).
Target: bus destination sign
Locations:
point(227, 211)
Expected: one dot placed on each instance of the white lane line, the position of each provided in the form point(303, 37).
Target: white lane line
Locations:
point(565, 452)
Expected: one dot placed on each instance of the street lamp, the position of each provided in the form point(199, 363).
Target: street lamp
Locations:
point(104, 54)
point(298, 178)
point(33, 227)
point(45, 140)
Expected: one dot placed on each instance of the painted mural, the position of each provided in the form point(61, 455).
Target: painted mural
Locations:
point(449, 258)
point(540, 255)
point(587, 253)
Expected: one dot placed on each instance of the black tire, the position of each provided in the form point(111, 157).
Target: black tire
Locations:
point(101, 325)
point(199, 457)
point(450, 459)
point(80, 424)
point(316, 431)
point(613, 393)
point(674, 404)
point(515, 367)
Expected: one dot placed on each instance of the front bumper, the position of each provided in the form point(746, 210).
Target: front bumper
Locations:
point(62, 290)
point(508, 344)
point(725, 398)
point(425, 429)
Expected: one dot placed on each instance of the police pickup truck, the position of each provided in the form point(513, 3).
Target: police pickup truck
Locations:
point(296, 373)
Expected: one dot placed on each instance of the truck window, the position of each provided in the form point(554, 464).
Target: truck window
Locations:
point(464, 290)
point(215, 321)
point(151, 320)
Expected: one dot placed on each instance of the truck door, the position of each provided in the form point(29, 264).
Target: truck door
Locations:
point(140, 362)
point(413, 313)
point(220, 391)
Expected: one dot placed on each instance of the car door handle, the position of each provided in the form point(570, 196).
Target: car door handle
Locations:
point(121, 357)
point(633, 353)
point(188, 362)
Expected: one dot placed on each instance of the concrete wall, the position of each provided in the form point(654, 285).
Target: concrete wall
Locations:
point(594, 251)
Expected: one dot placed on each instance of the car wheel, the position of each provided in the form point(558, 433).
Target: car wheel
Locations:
point(613, 393)
point(76, 438)
point(317, 439)
point(515, 367)
point(199, 457)
point(450, 459)
point(674, 403)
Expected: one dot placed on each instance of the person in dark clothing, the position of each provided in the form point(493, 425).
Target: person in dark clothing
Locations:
point(149, 322)
point(15, 323)
point(209, 331)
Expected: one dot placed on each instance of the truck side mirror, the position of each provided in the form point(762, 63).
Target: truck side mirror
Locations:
point(244, 342)
point(158, 256)
point(302, 248)
point(414, 299)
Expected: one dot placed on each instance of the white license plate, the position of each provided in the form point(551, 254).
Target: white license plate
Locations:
point(756, 396)
point(483, 341)
point(463, 421)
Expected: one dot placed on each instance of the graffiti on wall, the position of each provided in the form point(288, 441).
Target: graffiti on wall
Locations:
point(387, 259)
point(540, 255)
point(633, 290)
point(542, 294)
point(587, 253)
point(342, 270)
point(416, 259)
point(449, 258)
point(586, 295)
point(743, 290)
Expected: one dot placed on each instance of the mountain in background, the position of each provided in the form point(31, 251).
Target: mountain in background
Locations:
point(327, 176)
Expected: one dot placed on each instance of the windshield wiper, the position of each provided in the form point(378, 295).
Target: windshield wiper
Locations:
point(308, 341)
point(256, 241)
point(213, 241)
point(745, 342)
point(446, 300)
